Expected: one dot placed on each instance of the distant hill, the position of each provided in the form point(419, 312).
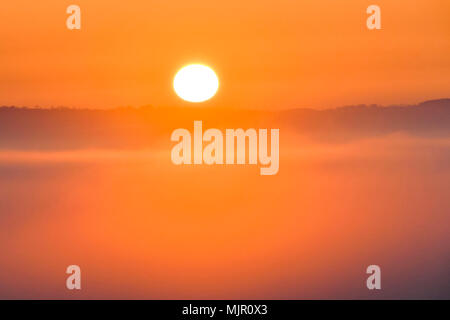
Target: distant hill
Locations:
point(62, 128)
point(429, 118)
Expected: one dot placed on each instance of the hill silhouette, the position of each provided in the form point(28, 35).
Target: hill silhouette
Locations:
point(64, 128)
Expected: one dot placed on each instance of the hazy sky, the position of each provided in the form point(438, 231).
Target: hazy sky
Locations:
point(267, 54)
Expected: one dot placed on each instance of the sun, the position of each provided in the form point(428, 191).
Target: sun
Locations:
point(196, 83)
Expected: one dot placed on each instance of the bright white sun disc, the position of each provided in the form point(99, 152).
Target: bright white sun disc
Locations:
point(196, 83)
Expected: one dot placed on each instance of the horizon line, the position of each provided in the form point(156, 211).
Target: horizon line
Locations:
point(148, 106)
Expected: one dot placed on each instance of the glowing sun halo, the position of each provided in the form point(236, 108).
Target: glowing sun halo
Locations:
point(196, 83)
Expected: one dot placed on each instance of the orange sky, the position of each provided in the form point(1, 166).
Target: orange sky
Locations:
point(267, 54)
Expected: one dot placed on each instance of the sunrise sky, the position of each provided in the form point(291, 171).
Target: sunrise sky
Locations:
point(98, 188)
point(267, 54)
